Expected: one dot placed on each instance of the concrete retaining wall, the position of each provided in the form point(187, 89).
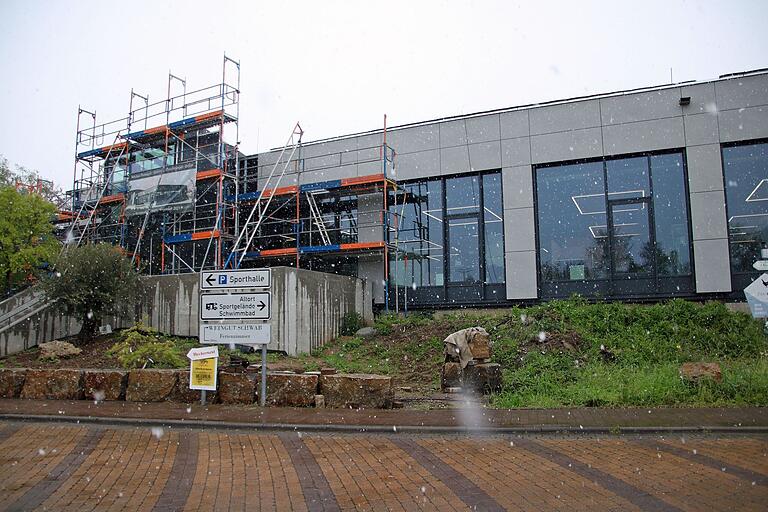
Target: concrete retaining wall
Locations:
point(307, 310)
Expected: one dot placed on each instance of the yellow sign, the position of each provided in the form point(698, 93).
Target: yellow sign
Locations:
point(202, 374)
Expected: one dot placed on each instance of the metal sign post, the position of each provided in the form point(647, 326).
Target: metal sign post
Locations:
point(235, 308)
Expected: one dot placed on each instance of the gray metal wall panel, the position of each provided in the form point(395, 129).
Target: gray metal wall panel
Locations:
point(642, 106)
point(519, 230)
point(702, 98)
point(416, 138)
point(742, 92)
point(568, 116)
point(705, 170)
point(332, 173)
point(556, 147)
point(521, 275)
point(485, 156)
point(713, 271)
point(516, 152)
point(708, 215)
point(701, 129)
point(514, 124)
point(517, 187)
point(453, 133)
point(416, 165)
point(483, 129)
point(454, 160)
point(644, 136)
point(743, 124)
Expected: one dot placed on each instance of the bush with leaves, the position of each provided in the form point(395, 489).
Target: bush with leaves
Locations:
point(143, 347)
point(92, 281)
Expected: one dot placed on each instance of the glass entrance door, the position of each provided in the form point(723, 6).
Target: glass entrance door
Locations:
point(632, 246)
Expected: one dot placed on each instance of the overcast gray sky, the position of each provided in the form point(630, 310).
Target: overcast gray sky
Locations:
point(337, 67)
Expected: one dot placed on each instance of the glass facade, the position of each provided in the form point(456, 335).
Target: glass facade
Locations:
point(450, 240)
point(615, 227)
point(746, 192)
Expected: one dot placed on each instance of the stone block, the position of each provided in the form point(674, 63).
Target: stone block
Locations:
point(236, 388)
point(695, 372)
point(60, 384)
point(450, 376)
point(150, 385)
point(483, 378)
point(11, 382)
point(289, 389)
point(480, 345)
point(182, 393)
point(105, 384)
point(58, 350)
point(357, 390)
point(319, 401)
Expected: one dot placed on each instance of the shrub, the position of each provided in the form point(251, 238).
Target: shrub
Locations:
point(142, 347)
point(351, 323)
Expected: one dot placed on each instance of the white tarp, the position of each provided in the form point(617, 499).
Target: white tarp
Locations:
point(174, 191)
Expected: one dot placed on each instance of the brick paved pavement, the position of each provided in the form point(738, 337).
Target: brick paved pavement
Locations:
point(47, 466)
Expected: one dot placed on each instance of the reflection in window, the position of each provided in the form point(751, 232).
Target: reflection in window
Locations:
point(746, 187)
point(673, 255)
point(464, 251)
point(462, 195)
point(572, 222)
point(494, 229)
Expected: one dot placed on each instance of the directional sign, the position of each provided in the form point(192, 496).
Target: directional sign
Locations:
point(203, 353)
point(757, 297)
point(235, 306)
point(202, 374)
point(231, 279)
point(761, 265)
point(240, 333)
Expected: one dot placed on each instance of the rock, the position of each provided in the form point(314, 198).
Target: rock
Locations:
point(58, 350)
point(289, 389)
point(319, 401)
point(236, 388)
point(61, 384)
point(150, 385)
point(359, 390)
point(365, 332)
point(11, 382)
point(480, 344)
point(452, 390)
point(397, 404)
point(450, 375)
point(483, 378)
point(695, 372)
point(327, 371)
point(182, 393)
point(105, 384)
point(406, 389)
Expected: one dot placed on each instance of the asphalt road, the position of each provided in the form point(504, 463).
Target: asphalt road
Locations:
point(61, 466)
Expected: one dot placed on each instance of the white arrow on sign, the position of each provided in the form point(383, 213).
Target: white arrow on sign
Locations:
point(203, 353)
point(761, 265)
point(230, 279)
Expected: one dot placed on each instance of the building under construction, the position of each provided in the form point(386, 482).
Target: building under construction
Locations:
point(645, 194)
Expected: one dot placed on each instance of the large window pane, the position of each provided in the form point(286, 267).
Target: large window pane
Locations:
point(631, 247)
point(464, 254)
point(462, 195)
point(494, 229)
point(673, 256)
point(628, 178)
point(746, 186)
point(573, 238)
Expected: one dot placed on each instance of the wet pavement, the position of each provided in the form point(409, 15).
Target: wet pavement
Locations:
point(66, 466)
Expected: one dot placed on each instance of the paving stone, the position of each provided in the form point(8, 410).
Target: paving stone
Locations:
point(11, 382)
point(150, 385)
point(237, 388)
point(105, 384)
point(289, 389)
point(58, 384)
point(357, 390)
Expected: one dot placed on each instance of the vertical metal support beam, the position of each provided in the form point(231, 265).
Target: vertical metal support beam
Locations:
point(263, 392)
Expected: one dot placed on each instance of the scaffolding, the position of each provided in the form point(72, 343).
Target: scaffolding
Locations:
point(159, 189)
point(164, 185)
